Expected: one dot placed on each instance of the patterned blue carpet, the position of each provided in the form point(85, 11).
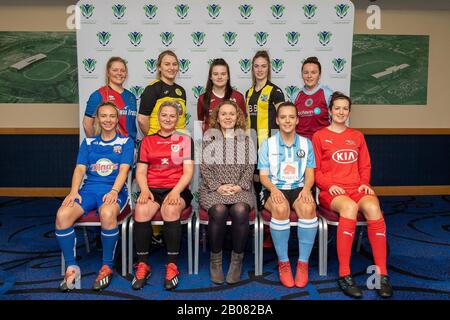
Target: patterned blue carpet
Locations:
point(419, 260)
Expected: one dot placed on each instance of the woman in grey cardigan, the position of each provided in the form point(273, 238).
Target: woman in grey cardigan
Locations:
point(227, 172)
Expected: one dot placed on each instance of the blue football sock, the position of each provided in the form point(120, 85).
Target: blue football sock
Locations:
point(67, 240)
point(109, 242)
point(306, 231)
point(280, 231)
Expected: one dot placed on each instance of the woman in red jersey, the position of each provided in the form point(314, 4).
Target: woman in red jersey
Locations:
point(343, 176)
point(165, 168)
point(218, 89)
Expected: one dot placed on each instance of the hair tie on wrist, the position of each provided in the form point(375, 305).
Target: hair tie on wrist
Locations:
point(114, 190)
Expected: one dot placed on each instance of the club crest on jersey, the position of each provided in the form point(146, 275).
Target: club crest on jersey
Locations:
point(301, 153)
point(178, 92)
point(309, 102)
point(117, 149)
point(263, 97)
point(345, 156)
point(175, 147)
point(165, 161)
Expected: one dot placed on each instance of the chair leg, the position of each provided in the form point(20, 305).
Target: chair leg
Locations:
point(358, 244)
point(256, 245)
point(189, 235)
point(130, 245)
point(321, 247)
point(325, 247)
point(86, 240)
point(196, 244)
point(124, 247)
point(261, 248)
point(63, 265)
point(204, 238)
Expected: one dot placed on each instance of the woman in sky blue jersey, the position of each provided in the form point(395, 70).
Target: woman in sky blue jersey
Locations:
point(105, 159)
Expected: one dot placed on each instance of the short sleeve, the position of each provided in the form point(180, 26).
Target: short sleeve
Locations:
point(263, 156)
point(83, 154)
point(148, 100)
point(93, 102)
point(311, 160)
point(144, 151)
point(327, 93)
point(277, 95)
point(127, 153)
point(188, 148)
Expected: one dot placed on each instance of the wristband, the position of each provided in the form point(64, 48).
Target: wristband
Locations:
point(114, 190)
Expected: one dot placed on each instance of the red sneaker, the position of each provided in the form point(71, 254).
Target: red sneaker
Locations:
point(103, 279)
point(141, 275)
point(301, 276)
point(171, 280)
point(286, 278)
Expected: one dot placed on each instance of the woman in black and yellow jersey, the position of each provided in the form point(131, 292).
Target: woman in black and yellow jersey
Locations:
point(262, 98)
point(160, 90)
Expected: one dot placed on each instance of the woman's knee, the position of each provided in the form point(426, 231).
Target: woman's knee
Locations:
point(281, 211)
point(349, 210)
point(171, 212)
point(142, 212)
point(64, 218)
point(109, 214)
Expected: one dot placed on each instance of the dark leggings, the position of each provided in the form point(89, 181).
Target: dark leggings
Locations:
point(239, 228)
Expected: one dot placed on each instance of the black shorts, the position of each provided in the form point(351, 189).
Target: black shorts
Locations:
point(291, 195)
point(161, 193)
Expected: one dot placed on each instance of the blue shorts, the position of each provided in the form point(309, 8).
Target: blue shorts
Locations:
point(92, 199)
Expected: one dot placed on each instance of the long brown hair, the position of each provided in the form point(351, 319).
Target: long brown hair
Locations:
point(261, 54)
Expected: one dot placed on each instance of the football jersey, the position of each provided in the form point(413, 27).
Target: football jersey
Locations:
point(342, 159)
point(312, 108)
point(152, 98)
point(164, 157)
point(286, 165)
point(103, 159)
point(125, 102)
point(236, 96)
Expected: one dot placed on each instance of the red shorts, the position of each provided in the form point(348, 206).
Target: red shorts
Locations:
point(325, 197)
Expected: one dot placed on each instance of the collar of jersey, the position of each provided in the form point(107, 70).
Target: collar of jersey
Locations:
point(311, 92)
point(108, 141)
point(281, 142)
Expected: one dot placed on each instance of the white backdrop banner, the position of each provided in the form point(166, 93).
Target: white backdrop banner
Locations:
point(200, 30)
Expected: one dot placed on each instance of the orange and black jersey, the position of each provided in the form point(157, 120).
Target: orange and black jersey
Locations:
point(154, 95)
point(164, 157)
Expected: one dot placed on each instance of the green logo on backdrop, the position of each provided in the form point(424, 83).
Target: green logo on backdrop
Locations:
point(137, 91)
point(166, 38)
point(210, 61)
point(324, 37)
point(292, 37)
point(187, 118)
point(198, 90)
point(261, 38)
point(246, 10)
point(229, 38)
point(119, 10)
point(89, 64)
point(338, 64)
point(341, 10)
point(182, 10)
point(87, 10)
point(292, 92)
point(309, 10)
point(245, 65)
point(151, 65)
point(198, 38)
point(104, 37)
point(150, 11)
point(277, 65)
point(184, 65)
point(214, 10)
point(277, 10)
point(135, 38)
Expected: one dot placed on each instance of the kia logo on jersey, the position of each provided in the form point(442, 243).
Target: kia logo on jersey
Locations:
point(345, 156)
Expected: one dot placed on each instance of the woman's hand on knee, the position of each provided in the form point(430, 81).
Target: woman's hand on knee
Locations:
point(173, 198)
point(110, 197)
point(70, 199)
point(366, 189)
point(336, 190)
point(144, 196)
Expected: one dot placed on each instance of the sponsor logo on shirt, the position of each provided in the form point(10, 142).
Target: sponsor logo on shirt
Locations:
point(104, 167)
point(165, 161)
point(345, 156)
point(350, 142)
point(289, 170)
point(329, 141)
point(306, 113)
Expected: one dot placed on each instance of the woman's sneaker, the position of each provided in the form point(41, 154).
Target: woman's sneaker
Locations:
point(103, 279)
point(141, 275)
point(72, 279)
point(349, 287)
point(171, 280)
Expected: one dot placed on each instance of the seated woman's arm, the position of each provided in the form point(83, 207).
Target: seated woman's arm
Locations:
point(141, 178)
point(173, 197)
point(77, 178)
point(111, 196)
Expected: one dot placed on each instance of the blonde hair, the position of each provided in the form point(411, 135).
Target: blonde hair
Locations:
point(240, 120)
point(97, 127)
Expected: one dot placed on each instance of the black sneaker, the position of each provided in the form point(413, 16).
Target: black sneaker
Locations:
point(103, 279)
point(385, 290)
point(140, 276)
point(171, 280)
point(349, 287)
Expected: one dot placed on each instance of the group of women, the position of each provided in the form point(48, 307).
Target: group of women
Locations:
point(165, 166)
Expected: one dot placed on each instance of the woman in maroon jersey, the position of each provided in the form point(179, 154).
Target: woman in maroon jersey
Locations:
point(343, 175)
point(218, 89)
point(165, 168)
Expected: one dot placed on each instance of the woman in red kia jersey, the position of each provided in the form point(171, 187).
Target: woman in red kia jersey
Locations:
point(218, 89)
point(343, 176)
point(165, 168)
